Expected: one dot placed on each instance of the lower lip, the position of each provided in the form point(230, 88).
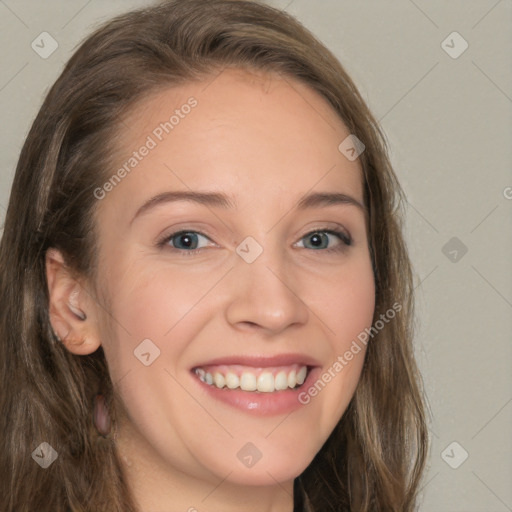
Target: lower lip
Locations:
point(260, 403)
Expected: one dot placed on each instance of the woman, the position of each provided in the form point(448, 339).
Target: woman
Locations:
point(174, 334)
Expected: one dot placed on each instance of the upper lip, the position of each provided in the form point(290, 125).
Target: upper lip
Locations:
point(262, 361)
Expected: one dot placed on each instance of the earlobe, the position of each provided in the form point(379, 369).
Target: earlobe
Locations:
point(68, 303)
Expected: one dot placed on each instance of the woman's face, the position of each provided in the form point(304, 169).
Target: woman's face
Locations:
point(257, 290)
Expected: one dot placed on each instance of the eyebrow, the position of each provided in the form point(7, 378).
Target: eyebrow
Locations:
point(217, 199)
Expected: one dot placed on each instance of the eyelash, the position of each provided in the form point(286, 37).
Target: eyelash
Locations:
point(344, 237)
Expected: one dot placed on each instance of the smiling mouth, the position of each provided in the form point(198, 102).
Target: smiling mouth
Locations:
point(245, 378)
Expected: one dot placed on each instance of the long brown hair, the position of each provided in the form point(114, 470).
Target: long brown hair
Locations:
point(374, 458)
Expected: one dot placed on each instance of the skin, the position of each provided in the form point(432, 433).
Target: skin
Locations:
point(265, 141)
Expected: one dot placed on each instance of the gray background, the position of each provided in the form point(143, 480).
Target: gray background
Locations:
point(448, 122)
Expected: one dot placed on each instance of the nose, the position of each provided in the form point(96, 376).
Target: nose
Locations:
point(265, 295)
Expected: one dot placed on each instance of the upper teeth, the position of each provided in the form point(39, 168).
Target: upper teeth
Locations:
point(262, 379)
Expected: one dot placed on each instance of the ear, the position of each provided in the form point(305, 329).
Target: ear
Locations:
point(71, 308)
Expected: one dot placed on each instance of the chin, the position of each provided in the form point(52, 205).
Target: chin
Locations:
point(267, 470)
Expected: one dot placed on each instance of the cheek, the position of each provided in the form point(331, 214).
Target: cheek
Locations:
point(345, 307)
point(344, 301)
point(150, 303)
point(353, 307)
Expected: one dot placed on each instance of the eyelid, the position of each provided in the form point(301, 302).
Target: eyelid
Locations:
point(183, 227)
point(333, 228)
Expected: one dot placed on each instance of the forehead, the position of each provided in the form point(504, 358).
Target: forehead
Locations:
point(247, 131)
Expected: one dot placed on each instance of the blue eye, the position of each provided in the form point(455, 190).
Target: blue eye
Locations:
point(187, 242)
point(321, 237)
